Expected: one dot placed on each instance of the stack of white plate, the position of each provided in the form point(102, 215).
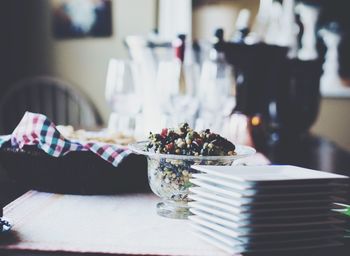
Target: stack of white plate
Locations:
point(267, 208)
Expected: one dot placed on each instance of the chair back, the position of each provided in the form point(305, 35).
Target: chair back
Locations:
point(59, 101)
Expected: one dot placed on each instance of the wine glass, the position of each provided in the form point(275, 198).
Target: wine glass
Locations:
point(123, 94)
point(215, 94)
point(176, 106)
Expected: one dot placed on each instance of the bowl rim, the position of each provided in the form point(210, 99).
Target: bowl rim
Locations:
point(241, 150)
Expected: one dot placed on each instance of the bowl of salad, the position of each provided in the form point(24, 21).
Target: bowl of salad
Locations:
point(171, 154)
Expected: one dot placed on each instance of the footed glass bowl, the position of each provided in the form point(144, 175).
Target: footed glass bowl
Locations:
point(169, 175)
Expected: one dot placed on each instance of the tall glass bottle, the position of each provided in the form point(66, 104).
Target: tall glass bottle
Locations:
point(216, 86)
point(180, 106)
point(179, 48)
point(241, 26)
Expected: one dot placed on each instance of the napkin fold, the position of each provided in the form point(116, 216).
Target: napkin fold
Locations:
point(37, 129)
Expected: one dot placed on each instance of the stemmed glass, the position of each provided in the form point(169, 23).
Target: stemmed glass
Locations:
point(215, 94)
point(176, 106)
point(123, 94)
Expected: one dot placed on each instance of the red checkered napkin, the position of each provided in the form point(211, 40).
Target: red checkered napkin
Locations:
point(37, 129)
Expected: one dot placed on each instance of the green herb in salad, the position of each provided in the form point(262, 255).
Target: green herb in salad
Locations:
point(185, 141)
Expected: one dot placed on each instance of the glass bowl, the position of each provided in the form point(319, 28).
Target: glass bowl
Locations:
point(169, 176)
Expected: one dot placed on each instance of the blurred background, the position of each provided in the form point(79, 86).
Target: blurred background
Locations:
point(74, 41)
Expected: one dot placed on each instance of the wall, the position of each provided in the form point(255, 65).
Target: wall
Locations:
point(334, 121)
point(210, 15)
point(17, 46)
point(82, 62)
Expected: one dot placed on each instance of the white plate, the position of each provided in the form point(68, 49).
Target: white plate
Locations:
point(209, 202)
point(229, 245)
point(219, 220)
point(250, 204)
point(238, 225)
point(243, 209)
point(219, 236)
point(269, 188)
point(270, 173)
point(246, 219)
point(236, 186)
point(228, 241)
point(246, 236)
point(234, 193)
point(232, 242)
point(221, 198)
point(217, 243)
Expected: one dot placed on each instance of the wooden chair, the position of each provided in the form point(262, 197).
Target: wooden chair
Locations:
point(56, 99)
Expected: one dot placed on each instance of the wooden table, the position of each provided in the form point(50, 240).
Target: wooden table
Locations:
point(310, 151)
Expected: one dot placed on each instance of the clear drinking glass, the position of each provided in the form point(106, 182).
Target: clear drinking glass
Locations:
point(176, 106)
point(123, 94)
point(169, 176)
point(215, 93)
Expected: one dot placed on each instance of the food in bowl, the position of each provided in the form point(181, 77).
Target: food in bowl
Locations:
point(82, 135)
point(171, 154)
point(186, 141)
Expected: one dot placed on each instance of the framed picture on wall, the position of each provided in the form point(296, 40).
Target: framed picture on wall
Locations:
point(81, 18)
